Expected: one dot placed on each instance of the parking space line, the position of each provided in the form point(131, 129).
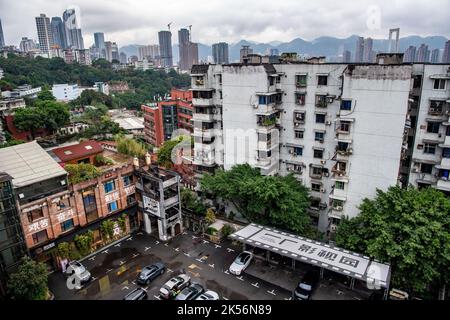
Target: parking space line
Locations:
point(240, 278)
point(255, 284)
point(156, 242)
point(109, 270)
point(217, 246)
point(187, 254)
point(92, 258)
point(147, 248)
point(125, 288)
point(121, 262)
point(290, 298)
point(133, 282)
point(226, 271)
point(118, 245)
point(93, 279)
point(169, 270)
point(157, 297)
point(225, 298)
point(130, 238)
point(211, 265)
point(105, 251)
point(230, 250)
point(205, 241)
point(166, 244)
point(194, 237)
point(135, 255)
point(146, 288)
point(177, 249)
point(272, 292)
point(199, 260)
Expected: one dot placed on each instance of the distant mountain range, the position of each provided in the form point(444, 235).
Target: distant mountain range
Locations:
point(323, 46)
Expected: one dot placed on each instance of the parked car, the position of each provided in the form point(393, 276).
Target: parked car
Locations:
point(172, 287)
point(191, 292)
point(150, 273)
point(241, 262)
point(82, 275)
point(208, 295)
point(307, 285)
point(136, 294)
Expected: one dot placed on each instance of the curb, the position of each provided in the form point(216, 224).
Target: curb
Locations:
point(104, 248)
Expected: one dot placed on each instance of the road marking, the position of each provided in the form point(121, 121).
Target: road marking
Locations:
point(108, 270)
point(217, 246)
point(255, 284)
point(121, 262)
point(135, 255)
point(146, 288)
point(177, 249)
point(205, 241)
point(272, 292)
point(147, 248)
point(125, 288)
point(199, 260)
point(118, 245)
point(157, 297)
point(226, 271)
point(194, 237)
point(356, 298)
point(94, 278)
point(105, 251)
point(169, 270)
point(184, 233)
point(230, 250)
point(130, 238)
point(166, 244)
point(211, 265)
point(195, 274)
point(156, 242)
point(225, 298)
point(339, 292)
point(133, 282)
point(187, 254)
point(92, 258)
point(240, 278)
point(290, 298)
point(139, 233)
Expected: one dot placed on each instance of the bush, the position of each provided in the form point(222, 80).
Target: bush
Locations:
point(82, 172)
point(102, 161)
point(29, 282)
point(64, 250)
point(210, 216)
point(211, 231)
point(107, 229)
point(83, 242)
point(227, 230)
point(122, 223)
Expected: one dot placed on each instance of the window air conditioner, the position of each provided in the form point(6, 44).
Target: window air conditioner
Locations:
point(323, 161)
point(333, 228)
point(328, 123)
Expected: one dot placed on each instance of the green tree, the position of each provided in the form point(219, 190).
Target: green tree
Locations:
point(56, 114)
point(82, 172)
point(408, 228)
point(130, 147)
point(64, 250)
point(190, 201)
point(29, 282)
point(46, 95)
point(272, 200)
point(84, 241)
point(165, 151)
point(30, 119)
point(107, 229)
point(210, 216)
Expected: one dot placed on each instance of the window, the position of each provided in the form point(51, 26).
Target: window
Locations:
point(298, 151)
point(112, 206)
point(317, 171)
point(446, 153)
point(127, 180)
point(436, 107)
point(342, 146)
point(299, 117)
point(271, 82)
point(339, 185)
point(109, 186)
point(62, 204)
point(433, 127)
point(316, 187)
point(262, 100)
point(320, 118)
point(131, 199)
point(447, 132)
point(429, 148)
point(67, 225)
point(299, 134)
point(301, 80)
point(338, 204)
point(318, 153)
point(35, 214)
point(321, 101)
point(344, 127)
point(346, 105)
point(300, 98)
point(40, 236)
point(322, 80)
point(426, 168)
point(444, 174)
point(319, 136)
point(439, 84)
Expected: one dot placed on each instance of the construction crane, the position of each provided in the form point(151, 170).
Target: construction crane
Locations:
point(168, 26)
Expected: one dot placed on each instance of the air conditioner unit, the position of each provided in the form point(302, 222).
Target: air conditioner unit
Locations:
point(328, 123)
point(322, 190)
point(338, 208)
point(291, 151)
point(350, 150)
point(323, 161)
point(255, 106)
point(333, 228)
point(297, 124)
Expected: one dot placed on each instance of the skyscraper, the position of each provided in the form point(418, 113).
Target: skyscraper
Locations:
point(410, 54)
point(245, 51)
point(368, 52)
point(59, 32)
point(423, 54)
point(435, 55)
point(220, 52)
point(99, 40)
point(446, 55)
point(2, 38)
point(188, 50)
point(346, 56)
point(149, 52)
point(165, 47)
point(359, 50)
point(44, 32)
point(73, 30)
point(123, 58)
point(27, 44)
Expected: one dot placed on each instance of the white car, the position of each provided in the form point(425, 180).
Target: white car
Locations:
point(172, 287)
point(241, 262)
point(208, 295)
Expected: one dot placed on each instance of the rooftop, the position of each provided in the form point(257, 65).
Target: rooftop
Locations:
point(130, 123)
point(76, 151)
point(28, 163)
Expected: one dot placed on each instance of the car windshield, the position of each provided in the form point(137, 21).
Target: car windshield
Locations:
point(241, 259)
point(78, 267)
point(207, 296)
point(305, 286)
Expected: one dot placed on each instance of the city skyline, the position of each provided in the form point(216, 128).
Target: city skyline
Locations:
point(141, 25)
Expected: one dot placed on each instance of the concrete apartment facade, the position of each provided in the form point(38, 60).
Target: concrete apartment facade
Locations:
point(341, 129)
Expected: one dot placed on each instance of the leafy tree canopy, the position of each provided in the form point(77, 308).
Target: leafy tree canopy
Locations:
point(82, 172)
point(29, 282)
point(408, 228)
point(271, 200)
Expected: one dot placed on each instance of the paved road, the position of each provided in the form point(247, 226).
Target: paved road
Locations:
point(115, 269)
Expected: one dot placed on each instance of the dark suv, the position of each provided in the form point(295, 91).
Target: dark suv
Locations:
point(306, 287)
point(150, 273)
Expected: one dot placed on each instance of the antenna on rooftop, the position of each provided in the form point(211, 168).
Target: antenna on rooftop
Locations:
point(168, 26)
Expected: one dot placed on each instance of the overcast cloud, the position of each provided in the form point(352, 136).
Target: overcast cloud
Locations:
point(138, 21)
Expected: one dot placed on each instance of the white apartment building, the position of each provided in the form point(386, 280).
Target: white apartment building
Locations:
point(430, 133)
point(65, 92)
point(338, 128)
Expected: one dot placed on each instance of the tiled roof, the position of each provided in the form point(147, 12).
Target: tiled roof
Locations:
point(83, 149)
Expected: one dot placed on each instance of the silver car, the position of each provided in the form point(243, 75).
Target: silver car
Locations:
point(241, 262)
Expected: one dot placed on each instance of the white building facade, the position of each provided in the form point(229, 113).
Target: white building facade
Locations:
point(65, 92)
point(341, 129)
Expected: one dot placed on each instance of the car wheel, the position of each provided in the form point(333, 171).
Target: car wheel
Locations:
point(162, 271)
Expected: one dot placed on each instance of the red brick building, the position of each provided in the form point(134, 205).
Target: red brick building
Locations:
point(83, 152)
point(162, 118)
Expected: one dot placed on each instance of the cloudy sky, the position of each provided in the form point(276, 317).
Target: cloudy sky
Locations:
point(138, 21)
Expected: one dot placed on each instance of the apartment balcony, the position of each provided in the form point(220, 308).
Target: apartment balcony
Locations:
point(339, 171)
point(205, 133)
point(268, 145)
point(443, 184)
point(426, 178)
point(446, 142)
point(203, 101)
point(169, 182)
point(445, 163)
point(206, 117)
point(198, 83)
point(171, 201)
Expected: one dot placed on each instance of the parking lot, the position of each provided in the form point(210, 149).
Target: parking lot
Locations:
point(115, 269)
